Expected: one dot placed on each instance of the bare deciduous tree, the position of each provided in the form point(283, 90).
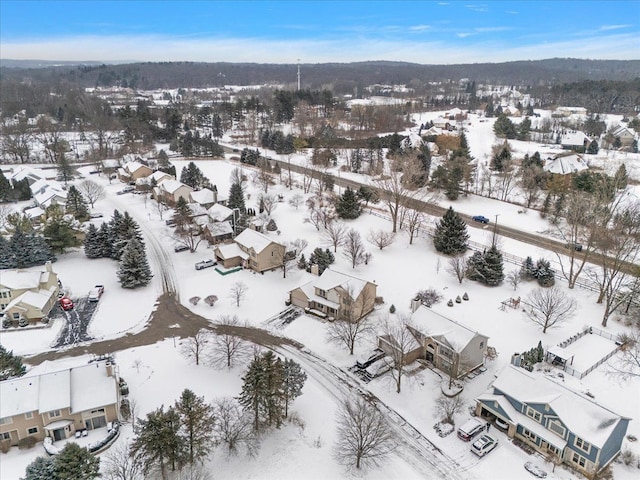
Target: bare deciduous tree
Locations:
point(399, 342)
point(92, 191)
point(446, 407)
point(414, 220)
point(458, 267)
point(429, 297)
point(119, 464)
point(364, 438)
point(228, 349)
point(353, 248)
point(233, 427)
point(334, 234)
point(380, 238)
point(352, 323)
point(195, 346)
point(237, 176)
point(514, 278)
point(626, 365)
point(549, 307)
point(268, 201)
point(238, 292)
point(296, 200)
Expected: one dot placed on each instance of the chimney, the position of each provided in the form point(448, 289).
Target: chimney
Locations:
point(48, 266)
point(109, 367)
point(314, 269)
point(415, 304)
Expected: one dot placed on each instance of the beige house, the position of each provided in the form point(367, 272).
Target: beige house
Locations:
point(448, 345)
point(28, 294)
point(337, 295)
point(254, 250)
point(132, 171)
point(625, 134)
point(57, 404)
point(157, 177)
point(170, 191)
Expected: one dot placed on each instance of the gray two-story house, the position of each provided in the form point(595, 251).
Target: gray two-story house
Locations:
point(553, 419)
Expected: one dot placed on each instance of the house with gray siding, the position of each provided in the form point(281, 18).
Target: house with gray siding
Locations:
point(554, 419)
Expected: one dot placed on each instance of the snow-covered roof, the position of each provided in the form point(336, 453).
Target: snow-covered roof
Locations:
point(310, 292)
point(28, 172)
point(331, 279)
point(587, 419)
point(441, 328)
point(110, 163)
point(132, 167)
point(574, 137)
point(34, 212)
point(219, 212)
point(217, 229)
point(37, 299)
point(79, 388)
point(197, 210)
point(251, 239)
point(566, 164)
point(203, 196)
point(171, 186)
point(231, 250)
point(39, 186)
point(20, 279)
point(413, 140)
point(46, 197)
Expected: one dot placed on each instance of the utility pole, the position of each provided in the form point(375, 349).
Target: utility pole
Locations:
point(495, 229)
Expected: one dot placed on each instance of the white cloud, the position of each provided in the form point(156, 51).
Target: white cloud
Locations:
point(605, 28)
point(162, 48)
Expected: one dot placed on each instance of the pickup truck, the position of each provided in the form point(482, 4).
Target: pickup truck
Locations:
point(95, 293)
point(205, 264)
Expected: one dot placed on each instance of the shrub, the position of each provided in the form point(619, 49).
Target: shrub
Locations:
point(5, 446)
point(26, 442)
point(392, 309)
point(428, 297)
point(194, 300)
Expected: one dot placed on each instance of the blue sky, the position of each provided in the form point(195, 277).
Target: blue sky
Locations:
point(430, 32)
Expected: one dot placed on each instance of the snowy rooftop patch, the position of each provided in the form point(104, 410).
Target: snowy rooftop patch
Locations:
point(219, 212)
point(437, 326)
point(251, 239)
point(566, 164)
point(332, 279)
point(203, 196)
point(20, 279)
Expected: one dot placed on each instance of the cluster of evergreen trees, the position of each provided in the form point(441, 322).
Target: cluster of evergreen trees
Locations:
point(181, 435)
point(192, 176)
point(120, 239)
point(276, 140)
point(249, 156)
point(193, 144)
point(486, 267)
point(14, 191)
point(348, 205)
point(11, 365)
point(456, 172)
point(73, 462)
point(540, 271)
point(24, 249)
point(270, 385)
point(322, 258)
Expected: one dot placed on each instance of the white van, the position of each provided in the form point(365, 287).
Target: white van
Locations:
point(470, 429)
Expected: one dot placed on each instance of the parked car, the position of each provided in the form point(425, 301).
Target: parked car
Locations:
point(535, 470)
point(95, 293)
point(470, 429)
point(170, 223)
point(574, 246)
point(180, 248)
point(205, 264)
point(126, 189)
point(66, 303)
point(501, 424)
point(443, 429)
point(480, 218)
point(484, 444)
point(96, 215)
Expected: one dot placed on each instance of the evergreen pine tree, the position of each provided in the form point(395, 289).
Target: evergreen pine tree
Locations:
point(544, 273)
point(236, 197)
point(76, 463)
point(58, 230)
point(7, 257)
point(253, 390)
point(451, 234)
point(158, 443)
point(322, 258)
point(42, 468)
point(104, 241)
point(302, 263)
point(293, 379)
point(91, 245)
point(76, 204)
point(271, 226)
point(197, 421)
point(528, 269)
point(476, 267)
point(273, 401)
point(5, 189)
point(134, 268)
point(125, 230)
point(348, 205)
point(494, 273)
point(621, 178)
point(29, 250)
point(11, 365)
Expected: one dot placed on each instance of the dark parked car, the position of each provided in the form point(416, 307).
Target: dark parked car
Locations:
point(575, 246)
point(180, 248)
point(480, 218)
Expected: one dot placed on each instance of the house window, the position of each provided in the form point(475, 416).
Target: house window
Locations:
point(537, 416)
point(481, 345)
point(582, 445)
point(54, 413)
point(529, 434)
point(322, 293)
point(446, 352)
point(5, 436)
point(579, 460)
point(556, 427)
point(16, 315)
point(32, 430)
point(28, 415)
point(6, 420)
point(553, 449)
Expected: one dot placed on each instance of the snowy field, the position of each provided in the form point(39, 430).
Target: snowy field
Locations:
point(399, 271)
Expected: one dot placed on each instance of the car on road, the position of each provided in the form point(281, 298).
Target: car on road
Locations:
point(574, 246)
point(535, 470)
point(96, 215)
point(180, 248)
point(205, 264)
point(480, 218)
point(127, 189)
point(484, 444)
point(95, 293)
point(66, 303)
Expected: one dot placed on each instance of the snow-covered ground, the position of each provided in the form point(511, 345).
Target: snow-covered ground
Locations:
point(399, 271)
